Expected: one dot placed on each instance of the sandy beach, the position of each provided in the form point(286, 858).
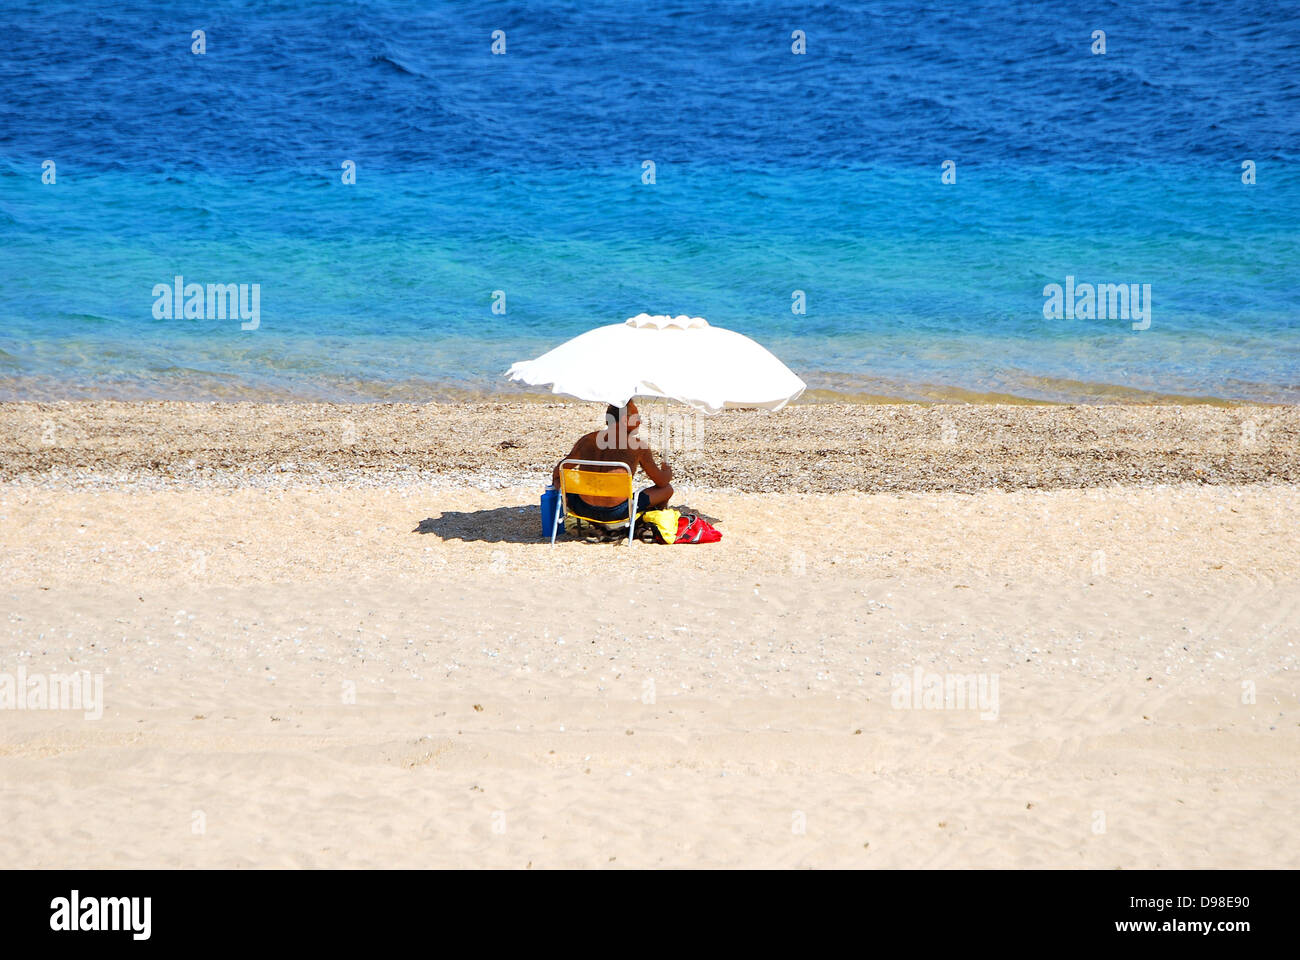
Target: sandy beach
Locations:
point(333, 636)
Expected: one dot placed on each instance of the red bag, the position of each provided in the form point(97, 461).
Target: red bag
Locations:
point(693, 529)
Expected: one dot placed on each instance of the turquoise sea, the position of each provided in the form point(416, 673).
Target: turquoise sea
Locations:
point(525, 172)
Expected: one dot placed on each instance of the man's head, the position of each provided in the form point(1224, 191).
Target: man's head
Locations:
point(623, 419)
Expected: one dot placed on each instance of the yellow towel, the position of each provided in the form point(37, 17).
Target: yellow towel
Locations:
point(665, 522)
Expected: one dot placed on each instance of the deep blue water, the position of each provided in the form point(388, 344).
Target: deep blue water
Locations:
point(774, 172)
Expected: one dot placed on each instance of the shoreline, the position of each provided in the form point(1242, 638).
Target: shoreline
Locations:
point(805, 448)
point(1026, 389)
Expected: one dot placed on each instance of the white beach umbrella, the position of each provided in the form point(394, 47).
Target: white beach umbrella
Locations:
point(677, 358)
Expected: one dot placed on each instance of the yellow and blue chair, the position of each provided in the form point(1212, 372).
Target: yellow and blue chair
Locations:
point(614, 479)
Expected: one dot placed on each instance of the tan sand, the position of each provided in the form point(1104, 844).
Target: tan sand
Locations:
point(348, 663)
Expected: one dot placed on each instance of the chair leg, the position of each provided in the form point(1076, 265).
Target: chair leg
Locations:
point(555, 521)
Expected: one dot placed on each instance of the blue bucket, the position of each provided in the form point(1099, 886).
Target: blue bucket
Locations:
point(550, 500)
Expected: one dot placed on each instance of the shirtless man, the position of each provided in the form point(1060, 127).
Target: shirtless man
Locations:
point(619, 442)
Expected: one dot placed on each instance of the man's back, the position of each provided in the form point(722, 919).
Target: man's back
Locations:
point(619, 443)
point(592, 447)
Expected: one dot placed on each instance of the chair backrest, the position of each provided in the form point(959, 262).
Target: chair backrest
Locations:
point(588, 482)
point(595, 478)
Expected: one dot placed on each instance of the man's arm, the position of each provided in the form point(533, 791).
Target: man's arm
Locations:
point(660, 474)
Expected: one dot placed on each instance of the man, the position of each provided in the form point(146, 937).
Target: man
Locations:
point(619, 442)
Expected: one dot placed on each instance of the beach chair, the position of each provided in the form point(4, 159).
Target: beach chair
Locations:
point(616, 482)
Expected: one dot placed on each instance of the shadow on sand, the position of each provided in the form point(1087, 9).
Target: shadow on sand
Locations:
point(502, 525)
point(498, 525)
